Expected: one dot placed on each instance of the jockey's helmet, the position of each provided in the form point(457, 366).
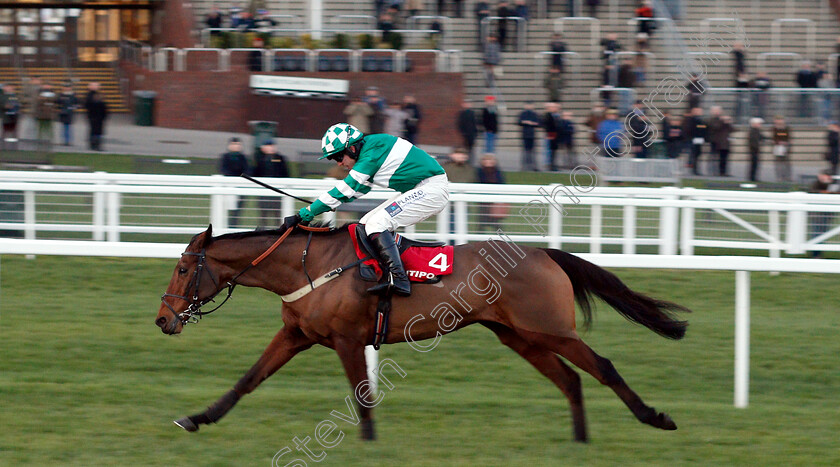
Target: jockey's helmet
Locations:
point(338, 138)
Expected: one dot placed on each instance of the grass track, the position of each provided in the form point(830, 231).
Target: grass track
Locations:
point(87, 379)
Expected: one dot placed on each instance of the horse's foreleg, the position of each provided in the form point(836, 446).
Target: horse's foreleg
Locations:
point(352, 355)
point(552, 368)
point(582, 356)
point(285, 345)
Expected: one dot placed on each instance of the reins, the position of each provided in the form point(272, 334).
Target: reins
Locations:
point(193, 313)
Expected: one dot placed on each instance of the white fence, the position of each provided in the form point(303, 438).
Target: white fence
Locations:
point(100, 215)
point(168, 209)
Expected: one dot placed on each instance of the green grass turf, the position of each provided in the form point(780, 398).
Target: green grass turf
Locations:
point(86, 378)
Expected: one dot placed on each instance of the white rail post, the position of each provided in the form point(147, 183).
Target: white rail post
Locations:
point(795, 235)
point(629, 230)
point(461, 222)
point(555, 228)
point(775, 233)
point(742, 338)
point(443, 217)
point(29, 217)
point(218, 212)
point(99, 214)
point(668, 228)
point(595, 229)
point(687, 233)
point(114, 200)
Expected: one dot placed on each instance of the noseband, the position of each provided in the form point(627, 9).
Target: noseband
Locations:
point(193, 313)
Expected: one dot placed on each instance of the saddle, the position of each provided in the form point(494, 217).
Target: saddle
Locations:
point(424, 262)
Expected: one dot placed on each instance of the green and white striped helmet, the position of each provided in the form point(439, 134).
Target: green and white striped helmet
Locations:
point(338, 138)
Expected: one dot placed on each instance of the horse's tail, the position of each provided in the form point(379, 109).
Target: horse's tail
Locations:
point(588, 279)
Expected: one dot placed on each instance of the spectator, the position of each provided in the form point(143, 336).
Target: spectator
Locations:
point(832, 156)
point(386, 23)
point(520, 9)
point(269, 163)
point(29, 99)
point(639, 131)
point(255, 57)
point(610, 47)
point(696, 88)
point(837, 64)
point(491, 215)
point(825, 82)
point(755, 138)
point(696, 132)
point(45, 112)
point(742, 83)
point(529, 121)
point(482, 10)
point(644, 15)
point(246, 21)
point(377, 103)
point(781, 149)
point(359, 114)
point(715, 113)
point(412, 123)
point(490, 123)
point(97, 112)
point(468, 128)
point(458, 170)
point(672, 132)
point(395, 118)
point(492, 60)
point(414, 7)
point(566, 140)
point(721, 141)
point(67, 105)
point(806, 79)
point(262, 21)
point(821, 221)
point(761, 84)
point(739, 57)
point(558, 47)
point(10, 108)
point(233, 164)
point(593, 7)
point(554, 84)
point(504, 12)
point(640, 66)
point(609, 134)
point(214, 21)
point(551, 126)
point(596, 116)
point(235, 17)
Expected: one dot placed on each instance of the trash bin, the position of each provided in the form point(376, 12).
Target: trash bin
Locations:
point(261, 131)
point(144, 108)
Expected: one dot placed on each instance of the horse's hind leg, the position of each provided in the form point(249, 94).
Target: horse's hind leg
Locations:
point(582, 356)
point(286, 344)
point(552, 368)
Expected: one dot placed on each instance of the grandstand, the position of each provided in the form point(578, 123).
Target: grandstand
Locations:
point(524, 68)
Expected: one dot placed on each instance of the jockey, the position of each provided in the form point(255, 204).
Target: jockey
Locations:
point(389, 162)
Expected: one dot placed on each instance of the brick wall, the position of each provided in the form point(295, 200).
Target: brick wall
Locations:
point(207, 100)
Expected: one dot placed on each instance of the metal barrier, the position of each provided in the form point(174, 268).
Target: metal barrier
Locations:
point(521, 29)
point(762, 58)
point(623, 169)
point(307, 54)
point(294, 18)
point(184, 52)
point(808, 107)
point(539, 57)
point(394, 55)
point(162, 59)
point(594, 30)
point(370, 19)
point(810, 39)
point(441, 59)
point(628, 95)
point(446, 24)
point(318, 64)
point(705, 24)
point(455, 61)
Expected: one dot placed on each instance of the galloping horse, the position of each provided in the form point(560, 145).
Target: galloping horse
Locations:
point(525, 295)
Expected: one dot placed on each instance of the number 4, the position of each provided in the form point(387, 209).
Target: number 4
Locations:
point(439, 262)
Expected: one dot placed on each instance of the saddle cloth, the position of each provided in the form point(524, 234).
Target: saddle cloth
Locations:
point(424, 261)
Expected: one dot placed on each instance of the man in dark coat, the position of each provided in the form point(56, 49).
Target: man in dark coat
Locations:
point(97, 112)
point(755, 139)
point(67, 104)
point(269, 163)
point(490, 123)
point(696, 133)
point(412, 123)
point(529, 121)
point(233, 164)
point(552, 127)
point(467, 128)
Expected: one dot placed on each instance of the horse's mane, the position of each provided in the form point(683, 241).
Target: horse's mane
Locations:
point(280, 231)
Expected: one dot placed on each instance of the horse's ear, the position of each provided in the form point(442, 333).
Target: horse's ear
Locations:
point(207, 237)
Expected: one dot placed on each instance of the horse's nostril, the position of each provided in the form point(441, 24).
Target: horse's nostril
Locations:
point(160, 321)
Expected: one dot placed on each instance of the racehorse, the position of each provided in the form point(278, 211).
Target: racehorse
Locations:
point(525, 295)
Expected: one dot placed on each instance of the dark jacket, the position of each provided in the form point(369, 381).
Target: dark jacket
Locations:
point(552, 124)
point(833, 154)
point(97, 111)
point(566, 135)
point(626, 76)
point(720, 137)
point(529, 129)
point(806, 79)
point(740, 61)
point(273, 165)
point(695, 127)
point(467, 125)
point(557, 60)
point(412, 123)
point(490, 175)
point(10, 108)
point(755, 138)
point(67, 104)
point(490, 120)
point(234, 164)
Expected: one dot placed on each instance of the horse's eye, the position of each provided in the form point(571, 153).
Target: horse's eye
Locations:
point(182, 271)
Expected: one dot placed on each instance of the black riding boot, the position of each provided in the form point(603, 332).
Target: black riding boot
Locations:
point(389, 256)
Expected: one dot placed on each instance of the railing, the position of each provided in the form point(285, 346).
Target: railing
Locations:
point(521, 29)
point(369, 19)
point(446, 24)
point(762, 58)
point(810, 38)
point(810, 106)
point(168, 209)
point(706, 23)
point(626, 95)
point(594, 30)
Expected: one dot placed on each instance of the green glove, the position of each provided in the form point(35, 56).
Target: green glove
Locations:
point(306, 215)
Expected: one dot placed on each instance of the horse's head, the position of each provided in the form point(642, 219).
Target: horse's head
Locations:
point(193, 285)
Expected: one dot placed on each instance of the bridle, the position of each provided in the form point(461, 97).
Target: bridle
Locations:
point(193, 312)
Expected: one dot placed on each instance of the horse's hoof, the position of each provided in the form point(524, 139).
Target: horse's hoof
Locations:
point(665, 422)
point(186, 424)
point(368, 430)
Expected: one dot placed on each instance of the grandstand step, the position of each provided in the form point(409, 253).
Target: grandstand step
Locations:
point(80, 77)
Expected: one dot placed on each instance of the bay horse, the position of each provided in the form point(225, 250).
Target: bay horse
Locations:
point(525, 295)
